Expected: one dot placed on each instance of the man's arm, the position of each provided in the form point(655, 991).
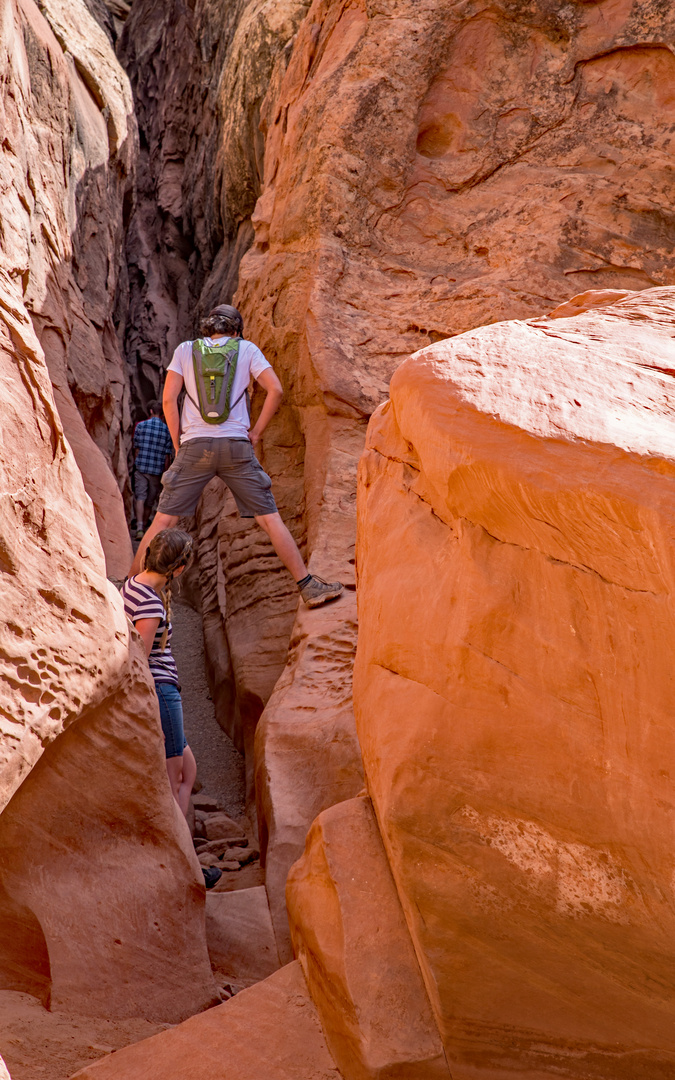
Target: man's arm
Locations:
point(274, 393)
point(172, 388)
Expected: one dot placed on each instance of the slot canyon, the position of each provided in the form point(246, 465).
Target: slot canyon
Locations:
point(449, 225)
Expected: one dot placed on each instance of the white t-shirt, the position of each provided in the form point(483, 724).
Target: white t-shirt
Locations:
point(251, 362)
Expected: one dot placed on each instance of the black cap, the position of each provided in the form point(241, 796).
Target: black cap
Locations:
point(228, 312)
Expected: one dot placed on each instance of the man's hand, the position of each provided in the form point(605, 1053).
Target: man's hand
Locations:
point(254, 436)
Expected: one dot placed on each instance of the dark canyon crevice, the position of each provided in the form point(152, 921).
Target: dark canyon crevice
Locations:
point(199, 74)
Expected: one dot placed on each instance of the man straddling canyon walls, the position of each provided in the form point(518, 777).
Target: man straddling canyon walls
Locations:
point(219, 442)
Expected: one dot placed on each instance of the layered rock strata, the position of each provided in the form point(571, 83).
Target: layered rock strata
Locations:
point(68, 146)
point(513, 688)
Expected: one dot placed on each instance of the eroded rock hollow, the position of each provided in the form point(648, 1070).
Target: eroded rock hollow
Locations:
point(467, 857)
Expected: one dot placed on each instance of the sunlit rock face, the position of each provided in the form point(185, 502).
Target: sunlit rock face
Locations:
point(513, 684)
point(101, 897)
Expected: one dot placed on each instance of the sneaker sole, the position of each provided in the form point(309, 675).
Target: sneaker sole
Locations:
point(324, 598)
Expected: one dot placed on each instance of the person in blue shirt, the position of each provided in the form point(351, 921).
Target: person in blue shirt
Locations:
point(152, 453)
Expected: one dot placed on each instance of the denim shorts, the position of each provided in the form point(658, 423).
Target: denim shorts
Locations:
point(171, 715)
point(233, 460)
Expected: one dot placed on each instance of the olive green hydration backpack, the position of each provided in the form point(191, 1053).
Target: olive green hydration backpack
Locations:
point(215, 367)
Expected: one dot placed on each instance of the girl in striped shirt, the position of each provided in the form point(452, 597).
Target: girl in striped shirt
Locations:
point(147, 603)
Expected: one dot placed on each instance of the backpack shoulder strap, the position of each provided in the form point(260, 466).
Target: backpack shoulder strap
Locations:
point(197, 355)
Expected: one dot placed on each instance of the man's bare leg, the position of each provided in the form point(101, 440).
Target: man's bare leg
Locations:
point(284, 544)
point(313, 590)
point(140, 514)
point(161, 521)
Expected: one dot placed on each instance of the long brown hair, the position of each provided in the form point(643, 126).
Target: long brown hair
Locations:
point(167, 552)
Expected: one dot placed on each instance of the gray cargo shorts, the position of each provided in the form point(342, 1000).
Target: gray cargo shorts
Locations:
point(146, 486)
point(233, 460)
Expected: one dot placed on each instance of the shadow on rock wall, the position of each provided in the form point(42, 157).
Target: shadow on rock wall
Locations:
point(199, 75)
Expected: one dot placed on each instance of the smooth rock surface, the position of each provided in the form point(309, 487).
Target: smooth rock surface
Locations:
point(239, 935)
point(52, 1045)
point(513, 685)
point(351, 938)
point(307, 754)
point(271, 1031)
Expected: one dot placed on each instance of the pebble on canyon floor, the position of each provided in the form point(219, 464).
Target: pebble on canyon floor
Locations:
point(219, 841)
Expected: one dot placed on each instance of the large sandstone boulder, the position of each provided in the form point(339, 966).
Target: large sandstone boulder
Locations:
point(65, 170)
point(513, 685)
point(350, 935)
point(101, 895)
point(240, 935)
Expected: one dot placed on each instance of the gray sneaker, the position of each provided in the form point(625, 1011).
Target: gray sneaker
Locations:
point(317, 591)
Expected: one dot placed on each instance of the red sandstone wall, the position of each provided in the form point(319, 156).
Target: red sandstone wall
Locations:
point(428, 169)
point(513, 685)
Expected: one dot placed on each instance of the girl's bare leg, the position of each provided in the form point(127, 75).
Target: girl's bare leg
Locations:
point(174, 768)
point(187, 780)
